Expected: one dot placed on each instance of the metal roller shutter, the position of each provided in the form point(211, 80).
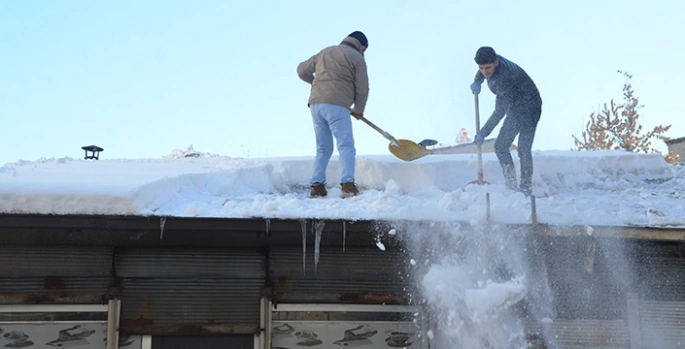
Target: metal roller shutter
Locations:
point(662, 324)
point(190, 291)
point(54, 274)
point(362, 276)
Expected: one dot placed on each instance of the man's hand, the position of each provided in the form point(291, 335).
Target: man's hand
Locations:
point(475, 88)
point(479, 139)
point(357, 115)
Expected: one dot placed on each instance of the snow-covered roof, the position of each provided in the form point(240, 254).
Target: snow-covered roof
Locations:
point(675, 141)
point(604, 188)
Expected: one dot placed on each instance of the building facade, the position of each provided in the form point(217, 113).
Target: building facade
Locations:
point(165, 282)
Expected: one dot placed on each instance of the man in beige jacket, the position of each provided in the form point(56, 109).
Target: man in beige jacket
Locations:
point(339, 80)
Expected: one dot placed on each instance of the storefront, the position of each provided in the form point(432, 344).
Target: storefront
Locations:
point(74, 281)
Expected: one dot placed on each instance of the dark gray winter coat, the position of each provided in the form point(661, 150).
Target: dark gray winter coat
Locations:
point(513, 88)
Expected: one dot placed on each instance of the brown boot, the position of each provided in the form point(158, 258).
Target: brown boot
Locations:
point(348, 190)
point(318, 190)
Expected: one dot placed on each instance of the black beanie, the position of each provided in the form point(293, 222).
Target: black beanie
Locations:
point(485, 55)
point(361, 37)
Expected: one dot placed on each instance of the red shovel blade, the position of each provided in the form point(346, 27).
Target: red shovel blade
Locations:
point(480, 180)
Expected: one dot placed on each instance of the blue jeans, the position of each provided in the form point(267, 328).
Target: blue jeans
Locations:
point(333, 121)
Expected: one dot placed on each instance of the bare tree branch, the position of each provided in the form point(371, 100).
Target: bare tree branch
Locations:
point(617, 127)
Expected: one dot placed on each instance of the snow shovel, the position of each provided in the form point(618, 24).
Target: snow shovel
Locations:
point(480, 180)
point(404, 149)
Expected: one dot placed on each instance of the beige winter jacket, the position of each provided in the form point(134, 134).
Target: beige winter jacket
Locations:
point(337, 75)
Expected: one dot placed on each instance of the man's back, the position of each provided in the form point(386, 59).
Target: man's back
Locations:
point(338, 75)
point(512, 83)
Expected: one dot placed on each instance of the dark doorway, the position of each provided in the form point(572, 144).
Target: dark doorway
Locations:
point(203, 342)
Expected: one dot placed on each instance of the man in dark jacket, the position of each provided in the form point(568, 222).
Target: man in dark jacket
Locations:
point(517, 98)
point(339, 80)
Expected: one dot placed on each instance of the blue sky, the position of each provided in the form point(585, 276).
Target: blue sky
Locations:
point(142, 78)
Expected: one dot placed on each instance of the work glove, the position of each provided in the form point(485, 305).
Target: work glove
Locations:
point(479, 139)
point(475, 88)
point(357, 115)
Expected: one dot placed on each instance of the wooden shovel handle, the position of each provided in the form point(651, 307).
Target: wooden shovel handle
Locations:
point(385, 134)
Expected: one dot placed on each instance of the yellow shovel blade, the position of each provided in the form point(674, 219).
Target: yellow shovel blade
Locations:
point(407, 150)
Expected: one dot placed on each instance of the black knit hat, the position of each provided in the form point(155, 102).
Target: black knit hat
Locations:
point(361, 37)
point(485, 55)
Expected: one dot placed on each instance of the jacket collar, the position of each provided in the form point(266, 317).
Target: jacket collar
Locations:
point(353, 43)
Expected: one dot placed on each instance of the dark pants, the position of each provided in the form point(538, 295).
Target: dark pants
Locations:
point(521, 121)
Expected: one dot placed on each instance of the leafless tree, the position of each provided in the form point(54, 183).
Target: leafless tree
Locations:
point(618, 127)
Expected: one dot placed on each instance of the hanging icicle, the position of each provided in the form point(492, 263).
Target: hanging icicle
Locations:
point(313, 224)
point(344, 235)
point(303, 224)
point(162, 221)
point(318, 227)
point(268, 224)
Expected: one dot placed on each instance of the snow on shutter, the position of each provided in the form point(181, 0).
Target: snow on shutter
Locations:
point(190, 291)
point(54, 274)
point(365, 276)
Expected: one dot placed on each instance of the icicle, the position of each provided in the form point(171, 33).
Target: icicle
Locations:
point(313, 225)
point(344, 235)
point(317, 242)
point(303, 224)
point(268, 224)
point(162, 221)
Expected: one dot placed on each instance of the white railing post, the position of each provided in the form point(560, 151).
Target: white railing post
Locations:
point(113, 317)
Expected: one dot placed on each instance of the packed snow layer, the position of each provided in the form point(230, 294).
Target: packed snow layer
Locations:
point(609, 188)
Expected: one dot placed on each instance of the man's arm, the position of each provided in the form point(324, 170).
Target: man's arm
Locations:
point(361, 87)
point(479, 78)
point(306, 70)
point(501, 105)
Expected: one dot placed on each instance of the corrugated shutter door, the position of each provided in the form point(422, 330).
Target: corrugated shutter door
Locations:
point(661, 307)
point(365, 276)
point(660, 272)
point(54, 274)
point(190, 291)
point(662, 324)
point(584, 333)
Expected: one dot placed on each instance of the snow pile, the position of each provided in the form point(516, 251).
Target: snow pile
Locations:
point(591, 188)
point(472, 280)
